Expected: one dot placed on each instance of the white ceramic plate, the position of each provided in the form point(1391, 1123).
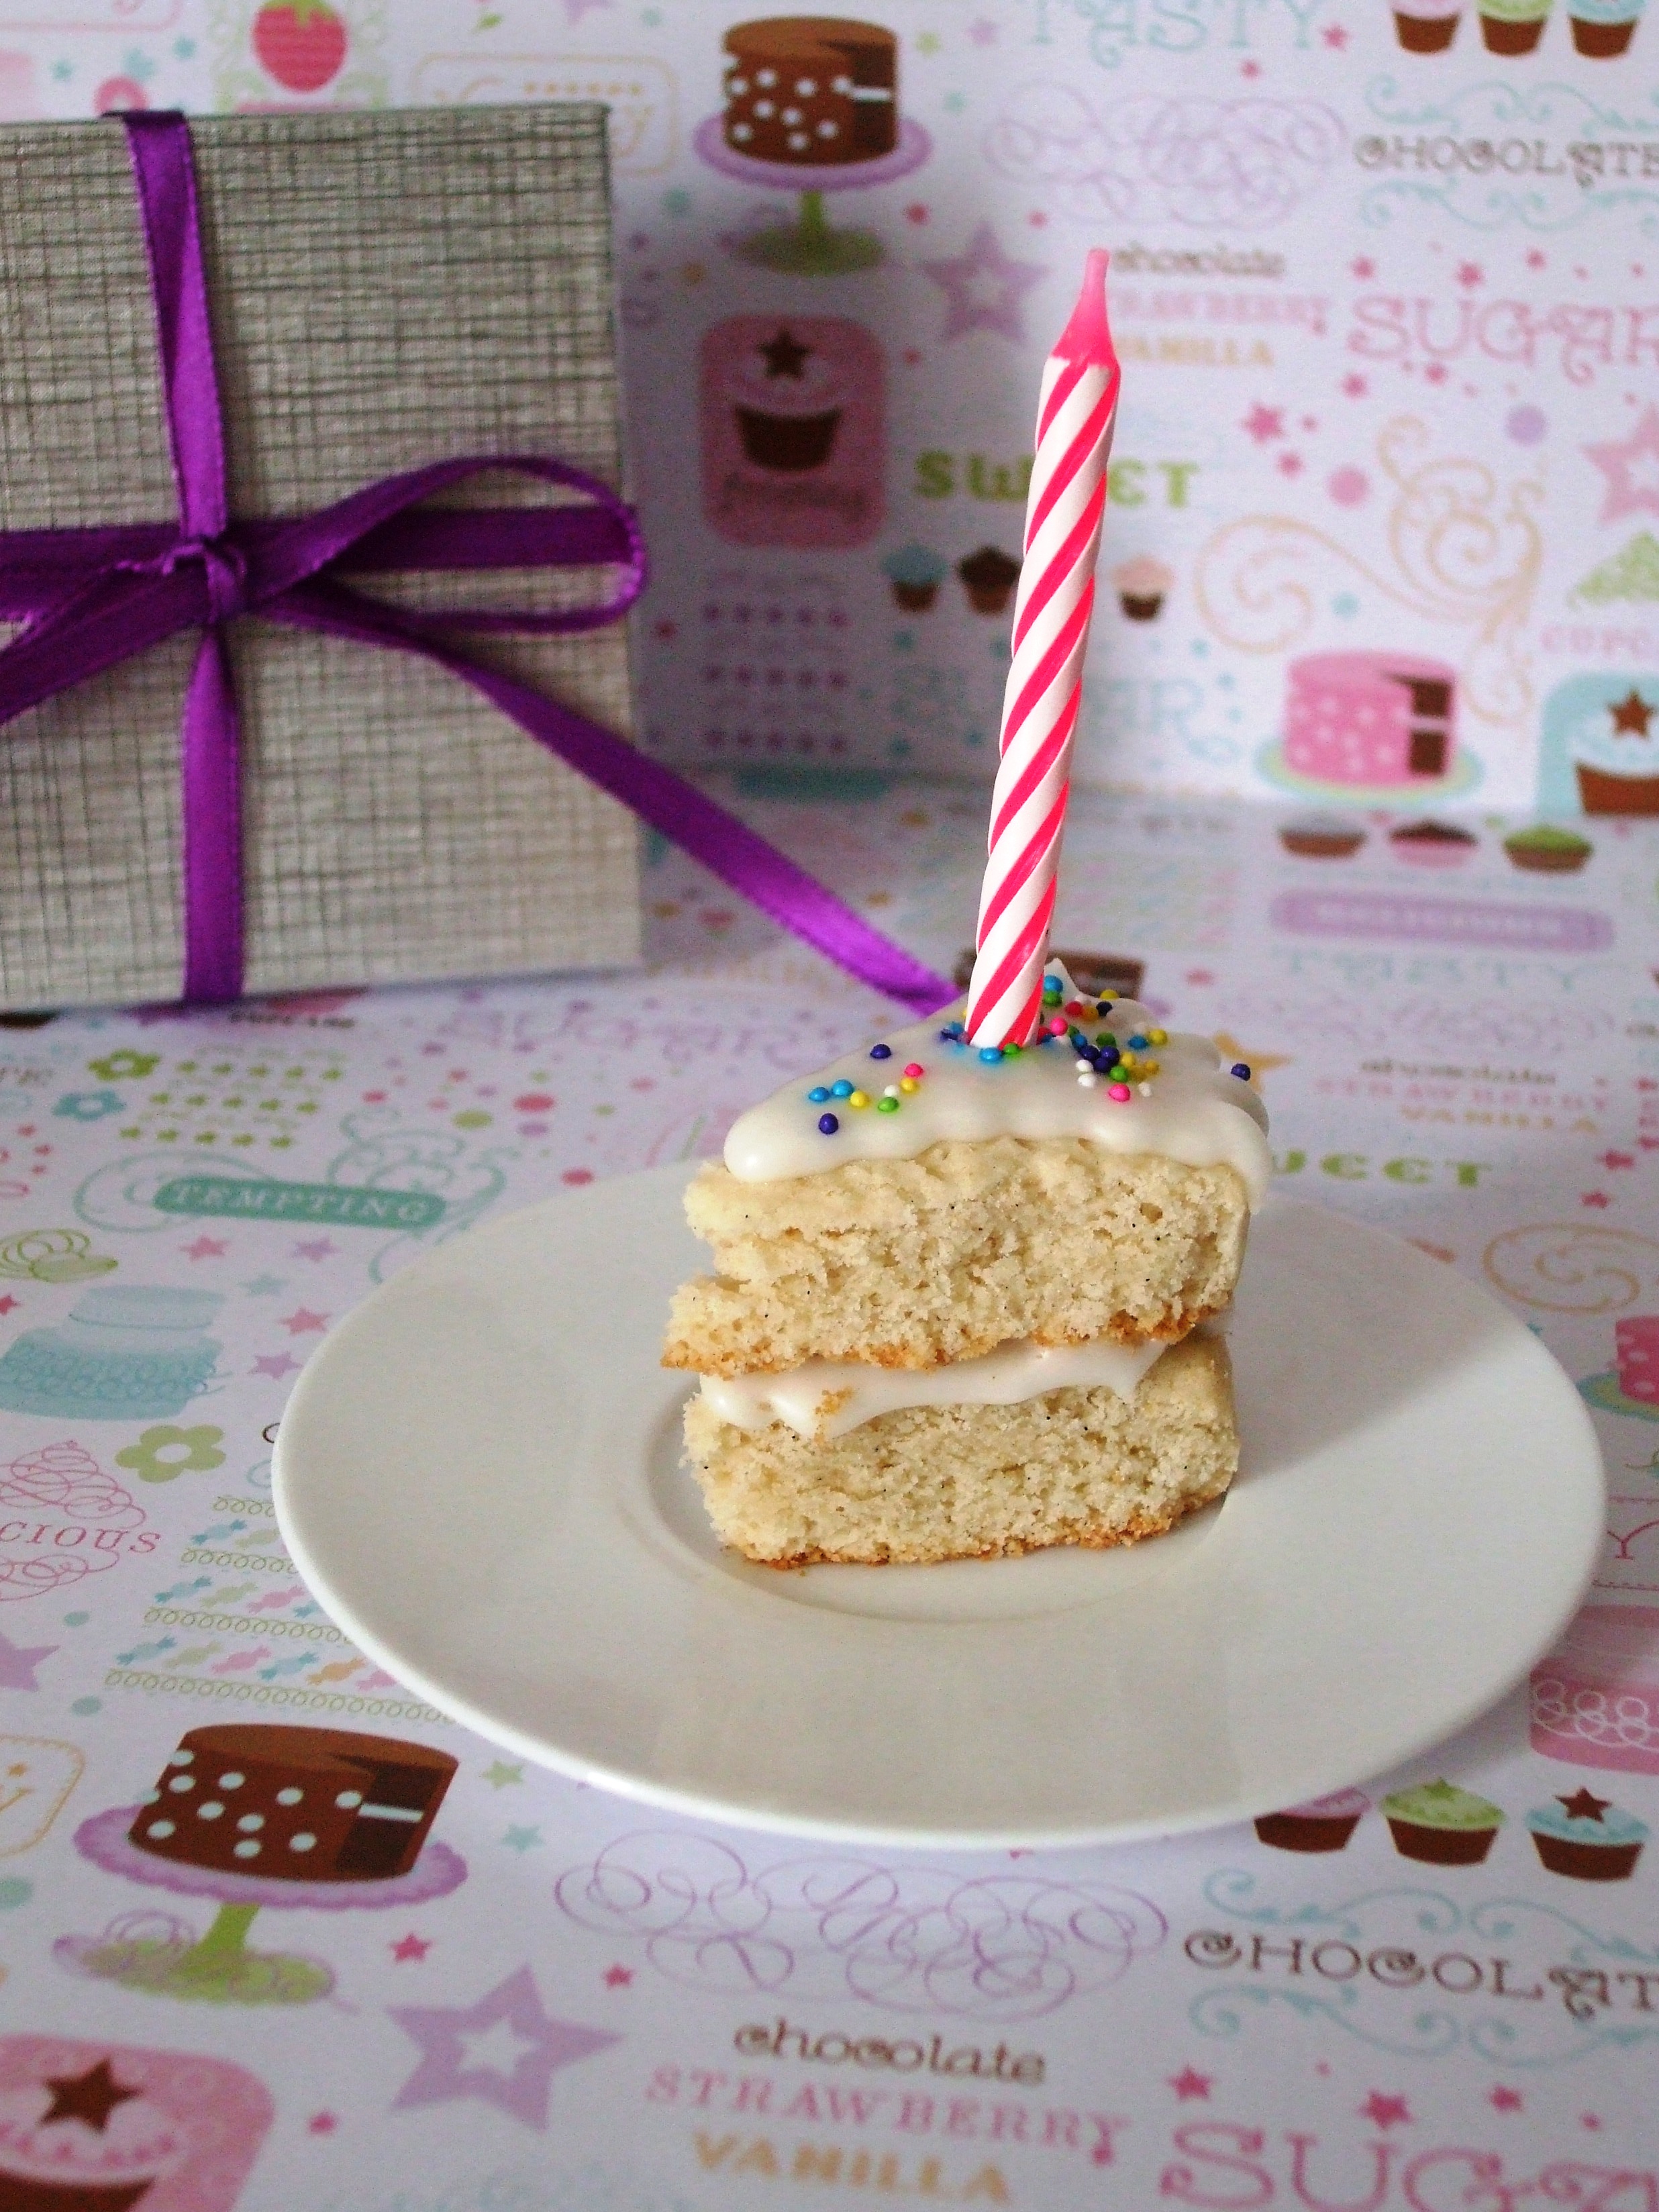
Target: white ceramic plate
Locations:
point(478, 1475)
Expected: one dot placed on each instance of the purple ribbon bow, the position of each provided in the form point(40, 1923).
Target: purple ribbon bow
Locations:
point(89, 598)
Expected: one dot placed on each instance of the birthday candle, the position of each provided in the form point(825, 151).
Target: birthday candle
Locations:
point(1076, 411)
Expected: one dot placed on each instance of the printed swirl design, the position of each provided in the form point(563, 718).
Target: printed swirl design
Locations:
point(1569, 1266)
point(1004, 1947)
point(1611, 1720)
point(52, 1255)
point(1466, 550)
point(63, 1484)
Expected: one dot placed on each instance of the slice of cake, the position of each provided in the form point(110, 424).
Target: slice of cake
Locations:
point(947, 1280)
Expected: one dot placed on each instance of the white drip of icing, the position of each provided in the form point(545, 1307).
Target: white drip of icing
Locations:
point(857, 1394)
point(1193, 1110)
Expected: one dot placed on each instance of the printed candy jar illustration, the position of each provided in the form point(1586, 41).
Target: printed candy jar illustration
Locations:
point(126, 1352)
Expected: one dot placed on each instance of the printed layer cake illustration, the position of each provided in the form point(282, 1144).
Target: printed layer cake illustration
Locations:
point(1596, 1697)
point(811, 89)
point(303, 1804)
point(1372, 720)
point(959, 1292)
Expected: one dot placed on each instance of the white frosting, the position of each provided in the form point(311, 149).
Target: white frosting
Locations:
point(857, 1394)
point(1192, 1110)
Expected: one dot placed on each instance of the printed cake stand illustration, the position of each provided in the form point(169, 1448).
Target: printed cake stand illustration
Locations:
point(810, 247)
point(260, 1813)
point(157, 1954)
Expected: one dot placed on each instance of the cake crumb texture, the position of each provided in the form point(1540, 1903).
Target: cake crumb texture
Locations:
point(915, 1262)
point(947, 1482)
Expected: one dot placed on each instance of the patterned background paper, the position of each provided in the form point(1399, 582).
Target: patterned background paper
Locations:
point(568, 2004)
point(1386, 302)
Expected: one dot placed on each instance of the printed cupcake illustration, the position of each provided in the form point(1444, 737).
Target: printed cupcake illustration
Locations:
point(1545, 851)
point(915, 574)
point(1432, 844)
point(788, 399)
point(102, 2127)
point(1441, 1824)
point(1142, 585)
point(1598, 750)
point(1615, 755)
point(1602, 29)
point(1324, 1824)
point(1427, 26)
point(810, 90)
point(1513, 27)
point(988, 576)
point(1587, 1838)
point(794, 432)
point(1321, 836)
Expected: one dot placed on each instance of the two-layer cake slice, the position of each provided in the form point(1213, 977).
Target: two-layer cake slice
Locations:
point(960, 1293)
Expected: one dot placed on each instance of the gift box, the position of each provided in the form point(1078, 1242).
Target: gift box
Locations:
point(382, 292)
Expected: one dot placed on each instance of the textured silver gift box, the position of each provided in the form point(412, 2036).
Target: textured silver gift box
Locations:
point(388, 289)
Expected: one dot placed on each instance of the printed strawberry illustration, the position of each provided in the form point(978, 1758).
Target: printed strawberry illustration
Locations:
point(299, 43)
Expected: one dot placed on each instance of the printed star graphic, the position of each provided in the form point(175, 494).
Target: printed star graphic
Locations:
point(1259, 1063)
point(784, 356)
point(1384, 2112)
point(276, 1363)
point(1584, 1805)
point(1617, 1159)
point(1333, 34)
point(617, 1977)
point(17, 1664)
point(1598, 1199)
point(205, 1248)
point(984, 287)
point(1189, 2083)
point(1505, 2101)
point(8, 1304)
point(320, 1247)
point(263, 1286)
point(322, 2124)
point(1631, 716)
point(1631, 466)
point(92, 2097)
point(409, 1946)
point(500, 1774)
point(1263, 424)
point(302, 1323)
point(507, 2025)
point(522, 1839)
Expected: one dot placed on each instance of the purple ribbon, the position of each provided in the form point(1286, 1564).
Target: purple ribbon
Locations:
point(90, 598)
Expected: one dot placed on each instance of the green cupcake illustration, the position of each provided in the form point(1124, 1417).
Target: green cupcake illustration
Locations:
point(1442, 1824)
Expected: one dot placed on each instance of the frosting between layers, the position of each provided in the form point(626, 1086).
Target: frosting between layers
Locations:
point(827, 1398)
point(1192, 1109)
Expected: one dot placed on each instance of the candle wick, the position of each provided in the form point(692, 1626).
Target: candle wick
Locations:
point(1088, 336)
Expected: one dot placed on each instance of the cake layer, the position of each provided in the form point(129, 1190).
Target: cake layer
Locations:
point(944, 1482)
point(827, 1397)
point(915, 1262)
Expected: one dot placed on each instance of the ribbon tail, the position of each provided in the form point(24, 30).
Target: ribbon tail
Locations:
point(211, 795)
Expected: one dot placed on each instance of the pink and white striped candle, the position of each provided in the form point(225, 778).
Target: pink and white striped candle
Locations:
point(1076, 411)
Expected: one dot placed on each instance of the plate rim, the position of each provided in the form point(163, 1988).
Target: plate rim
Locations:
point(702, 1804)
